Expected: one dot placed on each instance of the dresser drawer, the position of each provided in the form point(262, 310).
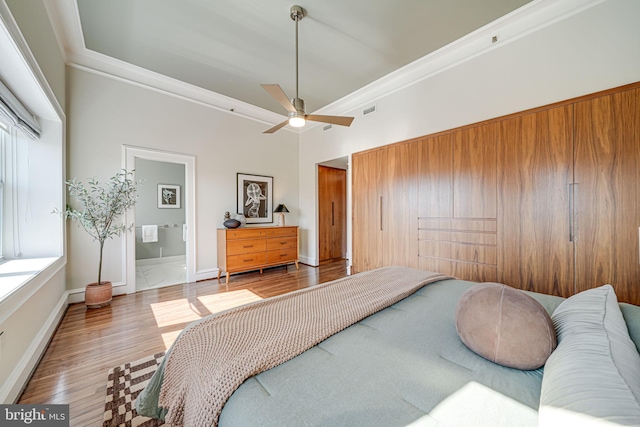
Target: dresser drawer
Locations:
point(245, 233)
point(282, 255)
point(237, 247)
point(246, 261)
point(278, 243)
point(285, 231)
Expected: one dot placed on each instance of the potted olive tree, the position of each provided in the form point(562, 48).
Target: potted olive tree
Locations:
point(103, 205)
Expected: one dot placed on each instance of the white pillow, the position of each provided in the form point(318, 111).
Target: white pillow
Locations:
point(593, 376)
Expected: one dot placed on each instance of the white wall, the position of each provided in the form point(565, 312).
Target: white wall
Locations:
point(106, 113)
point(596, 49)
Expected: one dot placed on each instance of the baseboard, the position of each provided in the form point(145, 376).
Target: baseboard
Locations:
point(13, 386)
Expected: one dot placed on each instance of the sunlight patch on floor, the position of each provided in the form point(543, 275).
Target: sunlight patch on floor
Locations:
point(187, 310)
point(201, 306)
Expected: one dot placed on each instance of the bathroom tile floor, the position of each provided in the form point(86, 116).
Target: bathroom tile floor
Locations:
point(159, 273)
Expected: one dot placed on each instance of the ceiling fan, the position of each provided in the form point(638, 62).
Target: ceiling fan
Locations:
point(295, 106)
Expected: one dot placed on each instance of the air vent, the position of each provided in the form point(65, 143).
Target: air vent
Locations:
point(326, 127)
point(369, 110)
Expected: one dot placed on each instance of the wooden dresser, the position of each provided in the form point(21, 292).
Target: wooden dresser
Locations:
point(245, 249)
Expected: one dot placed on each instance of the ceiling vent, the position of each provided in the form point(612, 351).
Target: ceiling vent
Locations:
point(369, 110)
point(326, 127)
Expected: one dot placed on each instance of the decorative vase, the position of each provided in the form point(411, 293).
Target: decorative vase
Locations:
point(243, 219)
point(231, 223)
point(98, 296)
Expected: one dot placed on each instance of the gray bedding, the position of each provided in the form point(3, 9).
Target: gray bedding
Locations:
point(404, 365)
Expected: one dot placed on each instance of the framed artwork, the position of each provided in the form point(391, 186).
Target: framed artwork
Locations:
point(255, 197)
point(168, 196)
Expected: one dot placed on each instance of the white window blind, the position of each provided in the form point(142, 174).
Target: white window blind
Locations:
point(16, 114)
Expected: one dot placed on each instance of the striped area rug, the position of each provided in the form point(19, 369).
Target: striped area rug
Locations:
point(124, 384)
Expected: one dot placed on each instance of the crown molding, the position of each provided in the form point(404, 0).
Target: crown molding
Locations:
point(532, 17)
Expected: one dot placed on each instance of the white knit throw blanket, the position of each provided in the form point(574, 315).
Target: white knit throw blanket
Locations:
point(212, 359)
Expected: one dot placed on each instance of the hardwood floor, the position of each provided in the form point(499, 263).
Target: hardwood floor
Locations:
point(88, 343)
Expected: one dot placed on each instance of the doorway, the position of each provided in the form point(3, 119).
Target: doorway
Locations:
point(163, 252)
point(332, 210)
point(160, 228)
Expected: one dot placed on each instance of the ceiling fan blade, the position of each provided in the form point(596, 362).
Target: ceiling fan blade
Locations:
point(276, 127)
point(277, 92)
point(334, 120)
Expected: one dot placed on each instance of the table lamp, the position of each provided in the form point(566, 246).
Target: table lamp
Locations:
point(281, 209)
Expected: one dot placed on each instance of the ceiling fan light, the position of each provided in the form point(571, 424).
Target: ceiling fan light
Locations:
point(297, 122)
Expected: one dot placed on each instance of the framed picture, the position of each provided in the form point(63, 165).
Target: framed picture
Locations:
point(255, 197)
point(168, 196)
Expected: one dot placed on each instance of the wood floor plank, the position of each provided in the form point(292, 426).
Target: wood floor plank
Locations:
point(88, 343)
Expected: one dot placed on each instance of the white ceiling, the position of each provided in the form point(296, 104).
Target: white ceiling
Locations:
point(202, 49)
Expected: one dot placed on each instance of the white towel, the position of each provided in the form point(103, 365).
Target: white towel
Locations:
point(184, 232)
point(149, 233)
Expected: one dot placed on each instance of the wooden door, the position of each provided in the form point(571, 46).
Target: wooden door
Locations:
point(332, 194)
point(400, 205)
point(368, 174)
point(607, 193)
point(535, 251)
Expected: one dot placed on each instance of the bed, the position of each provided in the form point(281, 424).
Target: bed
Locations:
point(403, 365)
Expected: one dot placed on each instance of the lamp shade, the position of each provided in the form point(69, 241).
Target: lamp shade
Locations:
point(281, 208)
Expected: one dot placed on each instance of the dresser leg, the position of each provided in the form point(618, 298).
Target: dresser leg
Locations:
point(227, 278)
point(297, 268)
point(219, 271)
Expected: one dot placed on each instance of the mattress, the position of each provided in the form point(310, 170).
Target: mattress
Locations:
point(404, 365)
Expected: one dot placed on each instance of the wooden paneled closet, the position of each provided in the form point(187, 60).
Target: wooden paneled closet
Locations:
point(546, 200)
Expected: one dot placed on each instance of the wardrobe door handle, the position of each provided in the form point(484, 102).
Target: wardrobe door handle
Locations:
point(380, 213)
point(573, 215)
point(571, 212)
point(332, 215)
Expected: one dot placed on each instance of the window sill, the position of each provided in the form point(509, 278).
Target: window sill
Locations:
point(16, 273)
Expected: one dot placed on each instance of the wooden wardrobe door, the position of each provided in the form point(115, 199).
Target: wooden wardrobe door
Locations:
point(400, 205)
point(331, 212)
point(474, 169)
point(368, 176)
point(607, 193)
point(435, 182)
point(535, 172)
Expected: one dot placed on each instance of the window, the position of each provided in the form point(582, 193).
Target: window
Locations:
point(30, 236)
point(31, 175)
point(4, 137)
